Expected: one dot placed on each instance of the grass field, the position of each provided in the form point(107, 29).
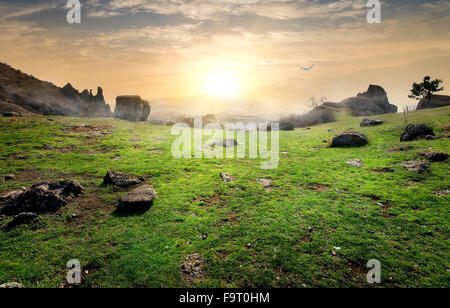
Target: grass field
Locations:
point(248, 236)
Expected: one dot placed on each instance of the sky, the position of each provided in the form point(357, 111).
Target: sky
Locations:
point(234, 56)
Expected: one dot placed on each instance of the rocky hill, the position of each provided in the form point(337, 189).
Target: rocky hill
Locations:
point(372, 102)
point(436, 101)
point(23, 93)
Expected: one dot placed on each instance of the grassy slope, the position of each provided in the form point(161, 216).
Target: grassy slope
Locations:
point(410, 237)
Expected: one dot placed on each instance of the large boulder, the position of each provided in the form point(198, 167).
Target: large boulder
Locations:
point(436, 101)
point(138, 199)
point(132, 108)
point(39, 198)
point(414, 132)
point(372, 102)
point(350, 139)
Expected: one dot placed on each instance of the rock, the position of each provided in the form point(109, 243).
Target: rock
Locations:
point(140, 198)
point(39, 198)
point(120, 179)
point(355, 163)
point(418, 166)
point(265, 182)
point(436, 101)
point(227, 178)
point(226, 143)
point(372, 102)
point(21, 219)
point(370, 122)
point(442, 193)
point(12, 285)
point(132, 108)
point(350, 139)
point(434, 157)
point(9, 177)
point(414, 132)
point(286, 126)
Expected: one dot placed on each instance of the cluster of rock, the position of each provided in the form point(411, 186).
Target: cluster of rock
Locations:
point(132, 108)
point(140, 198)
point(435, 101)
point(372, 102)
point(95, 104)
point(39, 198)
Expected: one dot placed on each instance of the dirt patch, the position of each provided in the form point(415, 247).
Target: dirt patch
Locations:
point(95, 131)
point(215, 200)
point(315, 187)
point(156, 151)
point(86, 207)
point(401, 148)
point(192, 268)
point(358, 274)
point(306, 239)
point(382, 170)
point(231, 218)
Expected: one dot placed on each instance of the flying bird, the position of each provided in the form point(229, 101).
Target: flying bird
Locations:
point(308, 69)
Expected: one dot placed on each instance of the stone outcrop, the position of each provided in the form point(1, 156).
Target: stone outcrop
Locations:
point(436, 101)
point(350, 139)
point(372, 102)
point(132, 108)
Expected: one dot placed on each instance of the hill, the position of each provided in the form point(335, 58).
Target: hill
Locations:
point(41, 97)
point(316, 225)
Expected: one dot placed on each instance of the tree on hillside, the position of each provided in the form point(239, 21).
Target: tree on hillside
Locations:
point(426, 89)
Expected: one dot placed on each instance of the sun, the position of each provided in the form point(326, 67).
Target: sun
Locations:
point(221, 85)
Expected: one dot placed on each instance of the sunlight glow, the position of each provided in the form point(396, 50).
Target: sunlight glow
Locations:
point(221, 85)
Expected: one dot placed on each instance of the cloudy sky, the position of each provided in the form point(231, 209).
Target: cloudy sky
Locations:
point(229, 55)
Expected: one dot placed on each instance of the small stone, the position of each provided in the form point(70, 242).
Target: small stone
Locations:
point(12, 285)
point(227, 178)
point(9, 177)
point(265, 182)
point(355, 163)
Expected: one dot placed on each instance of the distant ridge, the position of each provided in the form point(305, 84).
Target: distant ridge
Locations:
point(41, 97)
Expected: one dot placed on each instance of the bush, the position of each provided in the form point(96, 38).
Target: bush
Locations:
point(317, 116)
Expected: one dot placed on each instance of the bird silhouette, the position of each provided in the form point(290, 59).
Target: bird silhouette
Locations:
point(308, 69)
point(267, 61)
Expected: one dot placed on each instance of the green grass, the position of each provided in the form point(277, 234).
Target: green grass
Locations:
point(410, 237)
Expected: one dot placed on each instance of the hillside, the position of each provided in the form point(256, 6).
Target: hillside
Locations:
point(41, 97)
point(317, 225)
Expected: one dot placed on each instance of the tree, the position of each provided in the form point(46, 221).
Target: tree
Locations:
point(426, 88)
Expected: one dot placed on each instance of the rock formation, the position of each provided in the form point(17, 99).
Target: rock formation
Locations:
point(132, 108)
point(138, 199)
point(25, 95)
point(370, 122)
point(372, 102)
point(436, 101)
